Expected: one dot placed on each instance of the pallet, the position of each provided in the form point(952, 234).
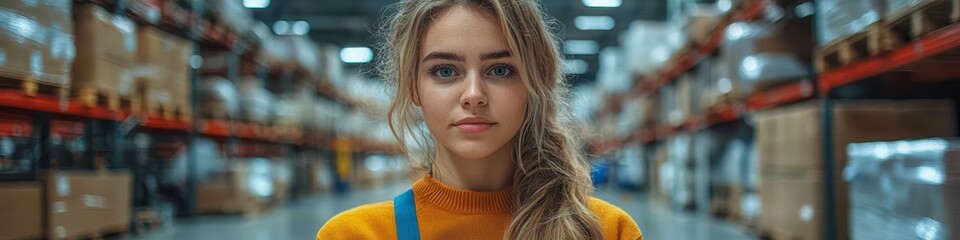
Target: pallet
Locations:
point(145, 220)
point(776, 234)
point(893, 31)
point(170, 111)
point(32, 87)
point(110, 232)
point(90, 96)
point(910, 23)
point(849, 49)
point(215, 110)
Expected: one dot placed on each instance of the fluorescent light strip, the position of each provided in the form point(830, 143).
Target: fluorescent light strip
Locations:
point(281, 27)
point(581, 47)
point(301, 28)
point(594, 22)
point(256, 3)
point(575, 66)
point(356, 55)
point(602, 3)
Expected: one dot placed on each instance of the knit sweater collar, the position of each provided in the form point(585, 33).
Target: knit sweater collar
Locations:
point(431, 191)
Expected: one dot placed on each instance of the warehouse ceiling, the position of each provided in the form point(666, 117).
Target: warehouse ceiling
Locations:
point(349, 23)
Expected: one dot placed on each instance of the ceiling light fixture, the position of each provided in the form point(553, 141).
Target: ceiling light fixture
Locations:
point(356, 55)
point(602, 3)
point(594, 22)
point(281, 27)
point(581, 47)
point(575, 66)
point(256, 3)
point(301, 28)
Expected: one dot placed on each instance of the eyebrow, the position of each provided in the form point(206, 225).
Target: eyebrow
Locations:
point(458, 57)
point(443, 56)
point(495, 55)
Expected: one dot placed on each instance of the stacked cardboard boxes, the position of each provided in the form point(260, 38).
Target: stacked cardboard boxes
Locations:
point(36, 41)
point(248, 187)
point(163, 71)
point(106, 47)
point(20, 210)
point(83, 204)
point(790, 148)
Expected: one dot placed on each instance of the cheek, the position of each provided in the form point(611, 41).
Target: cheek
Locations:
point(514, 104)
point(432, 102)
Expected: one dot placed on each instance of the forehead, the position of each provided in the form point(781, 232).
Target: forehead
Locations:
point(463, 29)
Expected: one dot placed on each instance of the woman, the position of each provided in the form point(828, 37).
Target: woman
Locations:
point(484, 76)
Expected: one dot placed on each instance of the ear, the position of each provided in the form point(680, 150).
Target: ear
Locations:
point(416, 95)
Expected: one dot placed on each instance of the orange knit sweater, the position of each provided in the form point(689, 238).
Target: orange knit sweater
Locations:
point(447, 213)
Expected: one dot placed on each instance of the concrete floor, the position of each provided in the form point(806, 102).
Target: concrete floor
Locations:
point(302, 218)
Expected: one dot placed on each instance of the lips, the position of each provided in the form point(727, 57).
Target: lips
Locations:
point(473, 124)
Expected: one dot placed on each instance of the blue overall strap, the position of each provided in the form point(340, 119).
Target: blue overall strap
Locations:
point(405, 212)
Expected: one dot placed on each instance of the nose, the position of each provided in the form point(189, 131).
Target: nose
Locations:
point(475, 93)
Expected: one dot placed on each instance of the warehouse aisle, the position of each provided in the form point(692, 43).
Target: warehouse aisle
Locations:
point(302, 218)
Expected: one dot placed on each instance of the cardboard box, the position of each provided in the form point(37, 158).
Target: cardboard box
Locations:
point(82, 204)
point(178, 65)
point(43, 47)
point(20, 210)
point(163, 73)
point(794, 205)
point(53, 13)
point(248, 187)
point(223, 197)
point(791, 153)
point(106, 47)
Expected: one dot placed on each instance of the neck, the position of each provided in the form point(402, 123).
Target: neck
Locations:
point(484, 174)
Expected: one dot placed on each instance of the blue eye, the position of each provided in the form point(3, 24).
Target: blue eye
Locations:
point(501, 71)
point(444, 72)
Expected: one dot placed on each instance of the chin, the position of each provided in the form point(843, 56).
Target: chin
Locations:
point(473, 149)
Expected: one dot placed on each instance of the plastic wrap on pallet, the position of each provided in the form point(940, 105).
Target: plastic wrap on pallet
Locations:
point(679, 154)
point(36, 41)
point(739, 42)
point(840, 18)
point(892, 7)
point(904, 189)
point(649, 45)
point(257, 105)
point(613, 75)
point(701, 20)
point(670, 110)
point(23, 38)
point(218, 89)
point(772, 67)
point(208, 161)
point(259, 176)
point(631, 170)
point(749, 207)
point(256, 102)
point(232, 14)
point(296, 109)
point(325, 115)
point(630, 118)
point(729, 171)
point(332, 68)
point(18, 155)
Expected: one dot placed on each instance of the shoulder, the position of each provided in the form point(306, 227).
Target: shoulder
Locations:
point(370, 221)
point(616, 223)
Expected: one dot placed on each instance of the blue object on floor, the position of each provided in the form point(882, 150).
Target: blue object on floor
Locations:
point(598, 173)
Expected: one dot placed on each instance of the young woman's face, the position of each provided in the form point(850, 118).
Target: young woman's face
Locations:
point(470, 91)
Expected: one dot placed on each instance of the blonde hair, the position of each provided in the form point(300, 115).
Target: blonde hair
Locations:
point(552, 181)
